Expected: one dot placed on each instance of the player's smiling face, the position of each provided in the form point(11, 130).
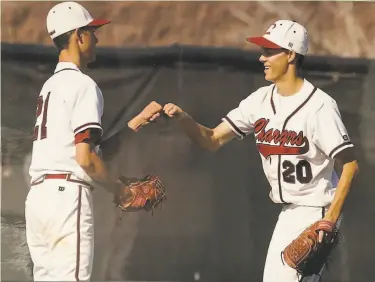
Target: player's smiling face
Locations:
point(275, 63)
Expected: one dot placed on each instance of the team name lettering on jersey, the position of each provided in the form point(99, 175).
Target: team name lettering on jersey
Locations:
point(297, 142)
point(286, 142)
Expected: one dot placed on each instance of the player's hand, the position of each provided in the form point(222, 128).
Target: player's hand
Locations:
point(326, 236)
point(172, 110)
point(321, 236)
point(151, 112)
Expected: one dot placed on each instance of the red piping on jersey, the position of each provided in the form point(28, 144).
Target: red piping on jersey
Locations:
point(65, 70)
point(334, 150)
point(86, 124)
point(239, 131)
point(78, 250)
point(300, 107)
point(286, 121)
point(272, 104)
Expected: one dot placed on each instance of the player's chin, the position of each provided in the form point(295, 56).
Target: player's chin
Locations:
point(269, 77)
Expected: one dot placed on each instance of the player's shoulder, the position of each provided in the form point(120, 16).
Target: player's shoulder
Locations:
point(259, 95)
point(323, 100)
point(81, 79)
point(88, 81)
point(72, 80)
point(86, 78)
point(264, 91)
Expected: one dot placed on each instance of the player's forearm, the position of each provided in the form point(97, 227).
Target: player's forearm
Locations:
point(98, 172)
point(137, 122)
point(349, 173)
point(199, 134)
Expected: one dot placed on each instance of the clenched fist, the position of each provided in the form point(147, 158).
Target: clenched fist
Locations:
point(151, 111)
point(148, 114)
point(173, 110)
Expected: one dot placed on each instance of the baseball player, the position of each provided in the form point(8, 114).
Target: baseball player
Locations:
point(299, 134)
point(66, 163)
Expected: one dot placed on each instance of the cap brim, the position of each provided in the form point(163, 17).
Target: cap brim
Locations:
point(98, 22)
point(263, 42)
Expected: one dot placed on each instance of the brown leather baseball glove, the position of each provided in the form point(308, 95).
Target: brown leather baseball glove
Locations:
point(305, 254)
point(146, 193)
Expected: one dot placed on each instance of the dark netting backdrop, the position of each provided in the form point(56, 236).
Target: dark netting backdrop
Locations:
point(218, 219)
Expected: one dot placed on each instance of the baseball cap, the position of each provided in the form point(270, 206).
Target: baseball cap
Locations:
point(67, 16)
point(285, 34)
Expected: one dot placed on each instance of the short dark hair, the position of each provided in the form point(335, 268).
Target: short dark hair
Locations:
point(62, 41)
point(299, 61)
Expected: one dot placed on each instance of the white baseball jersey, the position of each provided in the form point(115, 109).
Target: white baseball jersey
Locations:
point(297, 137)
point(69, 102)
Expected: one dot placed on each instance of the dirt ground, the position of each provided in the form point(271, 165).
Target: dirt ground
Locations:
point(344, 29)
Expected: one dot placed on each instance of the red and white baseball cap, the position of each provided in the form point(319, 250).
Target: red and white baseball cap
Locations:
point(67, 16)
point(284, 34)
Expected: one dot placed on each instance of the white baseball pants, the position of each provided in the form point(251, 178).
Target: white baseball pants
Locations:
point(60, 230)
point(291, 222)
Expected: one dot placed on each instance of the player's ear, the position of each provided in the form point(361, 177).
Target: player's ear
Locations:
point(291, 56)
point(78, 34)
point(73, 37)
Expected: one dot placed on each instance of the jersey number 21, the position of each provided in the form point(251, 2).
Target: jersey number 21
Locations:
point(42, 106)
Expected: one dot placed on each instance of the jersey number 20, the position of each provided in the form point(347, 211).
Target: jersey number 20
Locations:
point(42, 106)
point(301, 171)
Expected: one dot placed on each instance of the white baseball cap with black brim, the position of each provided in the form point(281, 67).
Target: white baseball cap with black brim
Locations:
point(284, 34)
point(67, 16)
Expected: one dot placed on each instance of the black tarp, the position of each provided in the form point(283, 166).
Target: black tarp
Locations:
point(218, 218)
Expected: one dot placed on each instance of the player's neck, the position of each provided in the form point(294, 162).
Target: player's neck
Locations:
point(288, 86)
point(72, 57)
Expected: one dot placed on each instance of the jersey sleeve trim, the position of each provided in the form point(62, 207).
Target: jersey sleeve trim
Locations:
point(339, 148)
point(235, 129)
point(88, 125)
